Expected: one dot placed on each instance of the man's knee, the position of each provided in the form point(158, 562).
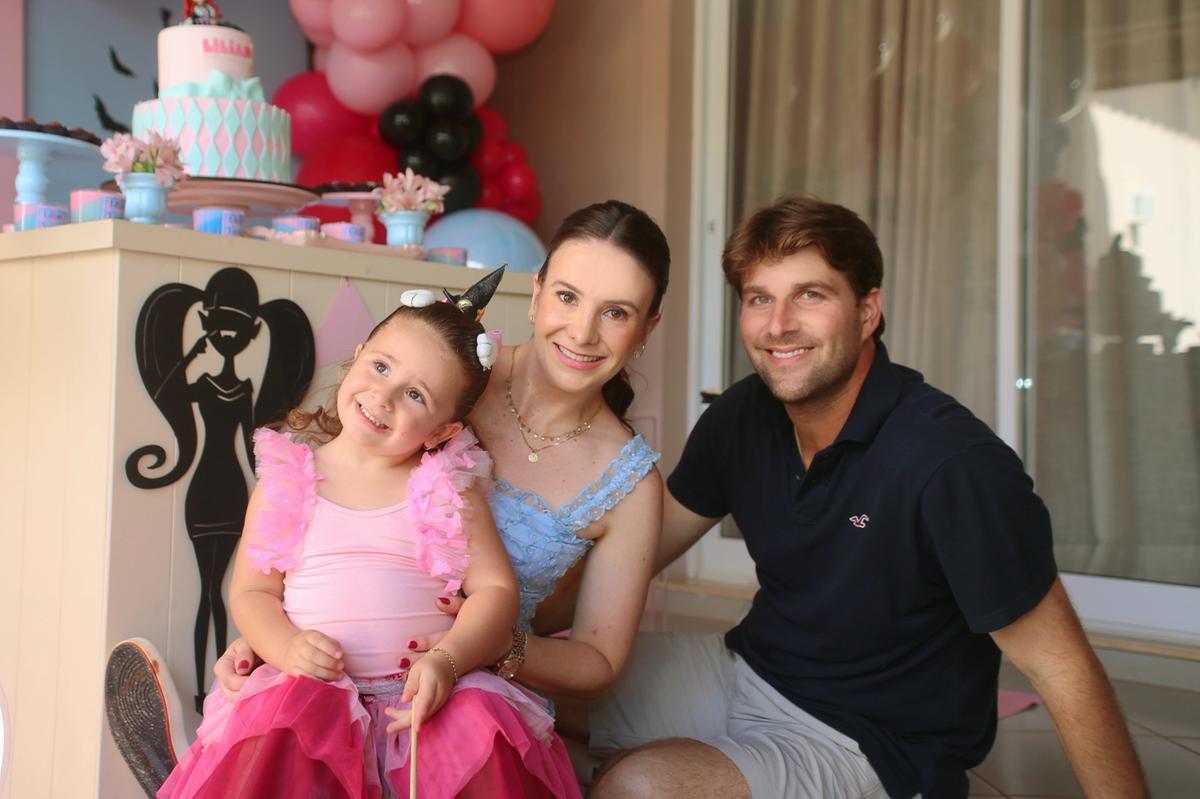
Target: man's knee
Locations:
point(674, 767)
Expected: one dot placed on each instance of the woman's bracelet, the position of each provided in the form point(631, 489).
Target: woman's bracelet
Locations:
point(448, 657)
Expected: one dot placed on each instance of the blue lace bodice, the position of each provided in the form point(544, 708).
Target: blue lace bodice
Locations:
point(542, 542)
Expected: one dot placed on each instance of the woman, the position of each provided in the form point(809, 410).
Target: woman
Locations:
point(571, 477)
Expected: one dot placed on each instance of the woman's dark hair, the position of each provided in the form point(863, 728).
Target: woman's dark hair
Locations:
point(632, 230)
point(458, 330)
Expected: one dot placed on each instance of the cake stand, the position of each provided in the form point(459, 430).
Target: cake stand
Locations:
point(254, 197)
point(362, 205)
point(34, 150)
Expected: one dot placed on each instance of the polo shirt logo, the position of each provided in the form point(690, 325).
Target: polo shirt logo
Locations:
point(860, 521)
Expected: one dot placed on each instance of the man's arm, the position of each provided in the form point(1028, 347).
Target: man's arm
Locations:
point(1048, 645)
point(681, 528)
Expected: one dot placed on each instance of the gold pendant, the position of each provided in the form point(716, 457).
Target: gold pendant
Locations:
point(533, 458)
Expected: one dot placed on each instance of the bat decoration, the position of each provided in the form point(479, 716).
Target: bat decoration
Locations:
point(116, 63)
point(106, 120)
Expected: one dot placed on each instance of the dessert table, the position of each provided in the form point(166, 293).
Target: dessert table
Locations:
point(89, 558)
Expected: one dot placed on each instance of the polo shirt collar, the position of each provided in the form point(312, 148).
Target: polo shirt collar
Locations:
point(878, 396)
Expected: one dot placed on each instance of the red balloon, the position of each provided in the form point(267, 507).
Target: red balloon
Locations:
point(519, 182)
point(526, 211)
point(514, 153)
point(494, 126)
point(488, 160)
point(491, 195)
point(354, 158)
point(317, 116)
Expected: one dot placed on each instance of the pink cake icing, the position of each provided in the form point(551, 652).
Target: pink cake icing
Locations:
point(189, 54)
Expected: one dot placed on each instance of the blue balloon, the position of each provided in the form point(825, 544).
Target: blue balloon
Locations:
point(490, 238)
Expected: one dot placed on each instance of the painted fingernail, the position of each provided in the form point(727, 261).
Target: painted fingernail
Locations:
point(412, 644)
point(243, 664)
point(404, 663)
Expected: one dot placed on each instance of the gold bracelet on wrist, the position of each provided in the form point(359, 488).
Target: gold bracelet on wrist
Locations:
point(449, 658)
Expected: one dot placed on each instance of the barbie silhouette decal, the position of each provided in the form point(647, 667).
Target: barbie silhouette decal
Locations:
point(230, 408)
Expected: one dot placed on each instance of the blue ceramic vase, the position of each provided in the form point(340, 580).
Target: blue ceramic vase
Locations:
point(404, 228)
point(145, 200)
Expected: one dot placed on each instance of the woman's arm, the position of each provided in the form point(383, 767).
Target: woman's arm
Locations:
point(612, 595)
point(256, 600)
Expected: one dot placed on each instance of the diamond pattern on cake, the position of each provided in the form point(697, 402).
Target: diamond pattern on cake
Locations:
point(250, 161)
point(212, 162)
point(194, 159)
point(194, 117)
point(250, 120)
point(175, 121)
point(233, 118)
point(212, 115)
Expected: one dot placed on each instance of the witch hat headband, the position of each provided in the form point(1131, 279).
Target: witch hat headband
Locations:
point(475, 299)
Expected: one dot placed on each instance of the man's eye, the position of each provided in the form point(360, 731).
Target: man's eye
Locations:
point(758, 300)
point(415, 395)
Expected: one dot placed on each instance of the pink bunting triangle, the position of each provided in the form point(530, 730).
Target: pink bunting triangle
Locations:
point(346, 325)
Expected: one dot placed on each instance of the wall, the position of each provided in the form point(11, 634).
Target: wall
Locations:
point(602, 103)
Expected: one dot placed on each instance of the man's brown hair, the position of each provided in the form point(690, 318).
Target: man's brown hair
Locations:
point(785, 228)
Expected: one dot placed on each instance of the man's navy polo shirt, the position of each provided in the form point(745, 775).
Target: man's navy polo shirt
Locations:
point(881, 569)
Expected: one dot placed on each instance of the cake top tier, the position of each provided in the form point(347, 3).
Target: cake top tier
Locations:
point(189, 53)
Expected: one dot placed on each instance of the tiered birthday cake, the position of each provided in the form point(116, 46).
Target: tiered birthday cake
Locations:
point(210, 101)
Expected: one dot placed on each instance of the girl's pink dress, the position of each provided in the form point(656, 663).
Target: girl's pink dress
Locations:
point(368, 579)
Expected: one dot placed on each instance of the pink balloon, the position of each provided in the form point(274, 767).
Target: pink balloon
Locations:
point(320, 37)
point(367, 24)
point(463, 57)
point(369, 82)
point(312, 14)
point(317, 116)
point(319, 56)
point(429, 20)
point(503, 26)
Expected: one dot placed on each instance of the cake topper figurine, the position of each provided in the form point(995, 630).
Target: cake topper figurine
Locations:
point(201, 12)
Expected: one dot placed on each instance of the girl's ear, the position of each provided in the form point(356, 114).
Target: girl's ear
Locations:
point(442, 434)
point(357, 351)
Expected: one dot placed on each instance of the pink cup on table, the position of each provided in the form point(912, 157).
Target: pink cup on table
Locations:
point(345, 231)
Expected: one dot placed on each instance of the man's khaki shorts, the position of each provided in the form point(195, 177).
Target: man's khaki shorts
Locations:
point(690, 686)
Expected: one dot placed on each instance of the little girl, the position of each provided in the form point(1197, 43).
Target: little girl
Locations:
point(345, 547)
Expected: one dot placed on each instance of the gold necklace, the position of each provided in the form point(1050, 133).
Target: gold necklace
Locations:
point(523, 427)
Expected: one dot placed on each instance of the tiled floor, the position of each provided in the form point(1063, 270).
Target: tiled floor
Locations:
point(1028, 760)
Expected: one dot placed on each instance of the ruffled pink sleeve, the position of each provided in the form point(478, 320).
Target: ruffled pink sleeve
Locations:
point(289, 483)
point(435, 500)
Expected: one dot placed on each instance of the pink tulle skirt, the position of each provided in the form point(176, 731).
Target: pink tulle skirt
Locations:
point(292, 736)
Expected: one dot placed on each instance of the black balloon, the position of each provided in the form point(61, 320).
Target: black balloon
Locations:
point(474, 127)
point(447, 97)
point(447, 140)
point(421, 162)
point(403, 123)
point(464, 184)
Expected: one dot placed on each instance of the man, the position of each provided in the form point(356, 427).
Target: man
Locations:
point(899, 548)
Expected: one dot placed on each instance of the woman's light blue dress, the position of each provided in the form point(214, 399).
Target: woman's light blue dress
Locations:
point(543, 543)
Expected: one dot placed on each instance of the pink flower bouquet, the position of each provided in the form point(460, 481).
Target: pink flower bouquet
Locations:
point(159, 156)
point(408, 191)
